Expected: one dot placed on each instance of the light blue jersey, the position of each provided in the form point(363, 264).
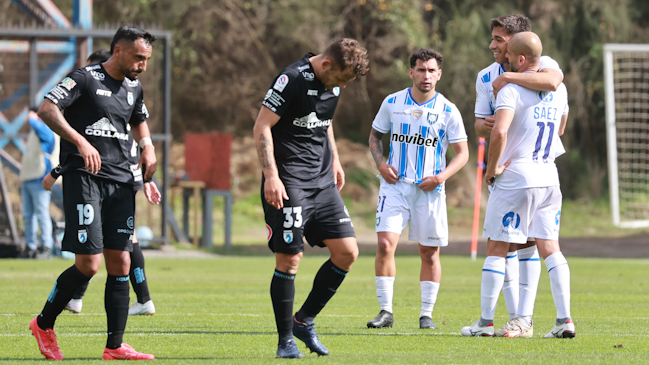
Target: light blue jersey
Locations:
point(419, 133)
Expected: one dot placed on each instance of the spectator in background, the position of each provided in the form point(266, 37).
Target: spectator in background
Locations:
point(37, 161)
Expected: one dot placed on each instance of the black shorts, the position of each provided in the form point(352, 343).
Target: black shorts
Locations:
point(316, 214)
point(98, 214)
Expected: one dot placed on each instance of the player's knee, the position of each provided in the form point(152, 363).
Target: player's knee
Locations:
point(88, 267)
point(385, 247)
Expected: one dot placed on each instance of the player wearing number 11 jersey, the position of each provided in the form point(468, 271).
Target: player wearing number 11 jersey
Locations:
point(526, 199)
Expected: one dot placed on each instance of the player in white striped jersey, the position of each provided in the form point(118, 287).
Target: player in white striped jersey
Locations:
point(526, 199)
point(523, 267)
point(421, 124)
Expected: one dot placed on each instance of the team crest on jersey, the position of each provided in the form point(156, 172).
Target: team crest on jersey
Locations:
point(336, 90)
point(129, 98)
point(288, 236)
point(416, 114)
point(546, 96)
point(82, 235)
point(432, 118)
point(269, 232)
point(512, 220)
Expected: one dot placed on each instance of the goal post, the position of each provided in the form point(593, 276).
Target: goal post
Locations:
point(626, 80)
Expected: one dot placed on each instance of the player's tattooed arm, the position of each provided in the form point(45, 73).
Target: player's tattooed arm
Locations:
point(265, 151)
point(376, 146)
point(274, 190)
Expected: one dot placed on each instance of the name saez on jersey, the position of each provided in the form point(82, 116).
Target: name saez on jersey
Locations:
point(534, 136)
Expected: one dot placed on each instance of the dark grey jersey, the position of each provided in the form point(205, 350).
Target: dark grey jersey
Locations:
point(101, 108)
point(300, 139)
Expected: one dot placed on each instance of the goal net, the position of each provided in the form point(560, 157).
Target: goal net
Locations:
point(626, 71)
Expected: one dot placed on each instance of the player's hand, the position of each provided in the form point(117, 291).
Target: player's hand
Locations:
point(389, 173)
point(339, 175)
point(148, 159)
point(490, 176)
point(429, 183)
point(489, 123)
point(90, 155)
point(48, 181)
point(152, 193)
point(499, 83)
point(275, 192)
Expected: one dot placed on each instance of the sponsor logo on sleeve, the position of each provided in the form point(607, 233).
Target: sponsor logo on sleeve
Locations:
point(281, 83)
point(304, 67)
point(268, 94)
point(145, 111)
point(129, 98)
point(93, 67)
point(68, 83)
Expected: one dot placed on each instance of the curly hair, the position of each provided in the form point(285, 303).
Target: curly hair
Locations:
point(512, 23)
point(347, 53)
point(426, 54)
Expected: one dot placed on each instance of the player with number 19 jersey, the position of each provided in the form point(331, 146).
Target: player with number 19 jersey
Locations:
point(419, 134)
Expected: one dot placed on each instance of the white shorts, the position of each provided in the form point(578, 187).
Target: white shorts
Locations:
point(514, 215)
point(402, 202)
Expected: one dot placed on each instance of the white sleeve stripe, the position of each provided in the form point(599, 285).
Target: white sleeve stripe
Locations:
point(505, 107)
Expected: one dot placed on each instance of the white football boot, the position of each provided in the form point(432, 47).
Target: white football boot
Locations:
point(141, 309)
point(74, 305)
point(566, 330)
point(476, 330)
point(516, 328)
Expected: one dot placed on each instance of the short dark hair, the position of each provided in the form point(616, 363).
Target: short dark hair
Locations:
point(99, 56)
point(512, 23)
point(132, 33)
point(348, 53)
point(426, 54)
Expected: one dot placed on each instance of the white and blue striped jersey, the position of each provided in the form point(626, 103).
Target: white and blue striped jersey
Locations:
point(532, 136)
point(485, 102)
point(419, 133)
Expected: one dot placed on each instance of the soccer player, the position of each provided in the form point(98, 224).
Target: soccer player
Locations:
point(520, 257)
point(144, 305)
point(526, 198)
point(421, 124)
point(99, 101)
point(301, 179)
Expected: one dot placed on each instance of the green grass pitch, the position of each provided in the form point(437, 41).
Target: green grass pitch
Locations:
point(218, 310)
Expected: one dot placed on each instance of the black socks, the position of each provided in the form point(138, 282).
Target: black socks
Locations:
point(116, 304)
point(138, 280)
point(282, 293)
point(64, 288)
point(326, 281)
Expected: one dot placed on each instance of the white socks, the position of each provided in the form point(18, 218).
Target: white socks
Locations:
point(510, 287)
point(560, 283)
point(493, 277)
point(385, 291)
point(530, 270)
point(429, 290)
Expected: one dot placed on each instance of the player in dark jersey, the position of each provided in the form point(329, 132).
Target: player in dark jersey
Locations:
point(301, 172)
point(144, 305)
point(99, 102)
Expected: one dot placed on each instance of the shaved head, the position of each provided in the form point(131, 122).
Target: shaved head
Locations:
point(524, 51)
